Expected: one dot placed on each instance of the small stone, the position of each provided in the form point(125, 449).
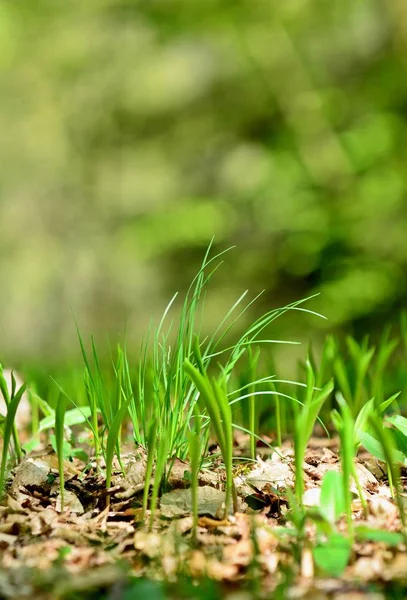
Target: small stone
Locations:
point(32, 472)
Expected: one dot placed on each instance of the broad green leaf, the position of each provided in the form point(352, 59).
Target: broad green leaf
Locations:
point(43, 405)
point(399, 423)
point(75, 416)
point(383, 434)
point(280, 532)
point(66, 448)
point(392, 538)
point(332, 504)
point(375, 448)
point(332, 556)
point(399, 440)
point(362, 420)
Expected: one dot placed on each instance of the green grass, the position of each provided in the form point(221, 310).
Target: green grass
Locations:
point(186, 388)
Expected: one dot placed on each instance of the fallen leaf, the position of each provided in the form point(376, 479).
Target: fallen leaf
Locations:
point(276, 471)
point(32, 472)
point(312, 496)
point(71, 502)
point(178, 503)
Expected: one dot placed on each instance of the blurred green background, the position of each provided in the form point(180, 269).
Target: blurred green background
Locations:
point(132, 131)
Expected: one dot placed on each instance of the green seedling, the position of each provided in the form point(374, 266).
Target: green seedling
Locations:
point(253, 426)
point(35, 410)
point(362, 357)
point(332, 501)
point(112, 444)
point(398, 434)
point(249, 409)
point(332, 550)
point(195, 457)
point(255, 565)
point(95, 391)
point(391, 538)
point(111, 403)
point(360, 375)
point(324, 370)
point(332, 554)
point(297, 515)
point(8, 397)
point(371, 407)
point(304, 422)
point(161, 462)
point(59, 442)
point(75, 416)
point(399, 422)
point(214, 398)
point(157, 452)
point(9, 429)
point(385, 351)
point(383, 436)
point(373, 445)
point(151, 446)
point(346, 426)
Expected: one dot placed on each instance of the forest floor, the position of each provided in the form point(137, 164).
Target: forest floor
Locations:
point(100, 548)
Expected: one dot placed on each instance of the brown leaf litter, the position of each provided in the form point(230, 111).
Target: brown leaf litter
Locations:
point(90, 537)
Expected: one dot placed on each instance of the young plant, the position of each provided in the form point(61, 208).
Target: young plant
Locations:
point(332, 504)
point(195, 457)
point(332, 553)
point(95, 392)
point(385, 351)
point(331, 550)
point(157, 452)
point(35, 410)
point(111, 403)
point(151, 447)
point(304, 421)
point(112, 443)
point(281, 415)
point(161, 462)
point(213, 395)
point(345, 426)
point(361, 356)
point(8, 397)
point(371, 407)
point(9, 428)
point(390, 455)
point(253, 426)
point(59, 442)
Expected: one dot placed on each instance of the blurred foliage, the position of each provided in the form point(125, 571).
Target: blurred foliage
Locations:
point(134, 130)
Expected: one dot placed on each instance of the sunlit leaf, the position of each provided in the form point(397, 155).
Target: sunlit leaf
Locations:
point(332, 556)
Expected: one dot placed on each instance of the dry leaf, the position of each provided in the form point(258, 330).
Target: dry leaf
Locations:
point(178, 503)
point(71, 503)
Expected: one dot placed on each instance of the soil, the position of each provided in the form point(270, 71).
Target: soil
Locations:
point(99, 546)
